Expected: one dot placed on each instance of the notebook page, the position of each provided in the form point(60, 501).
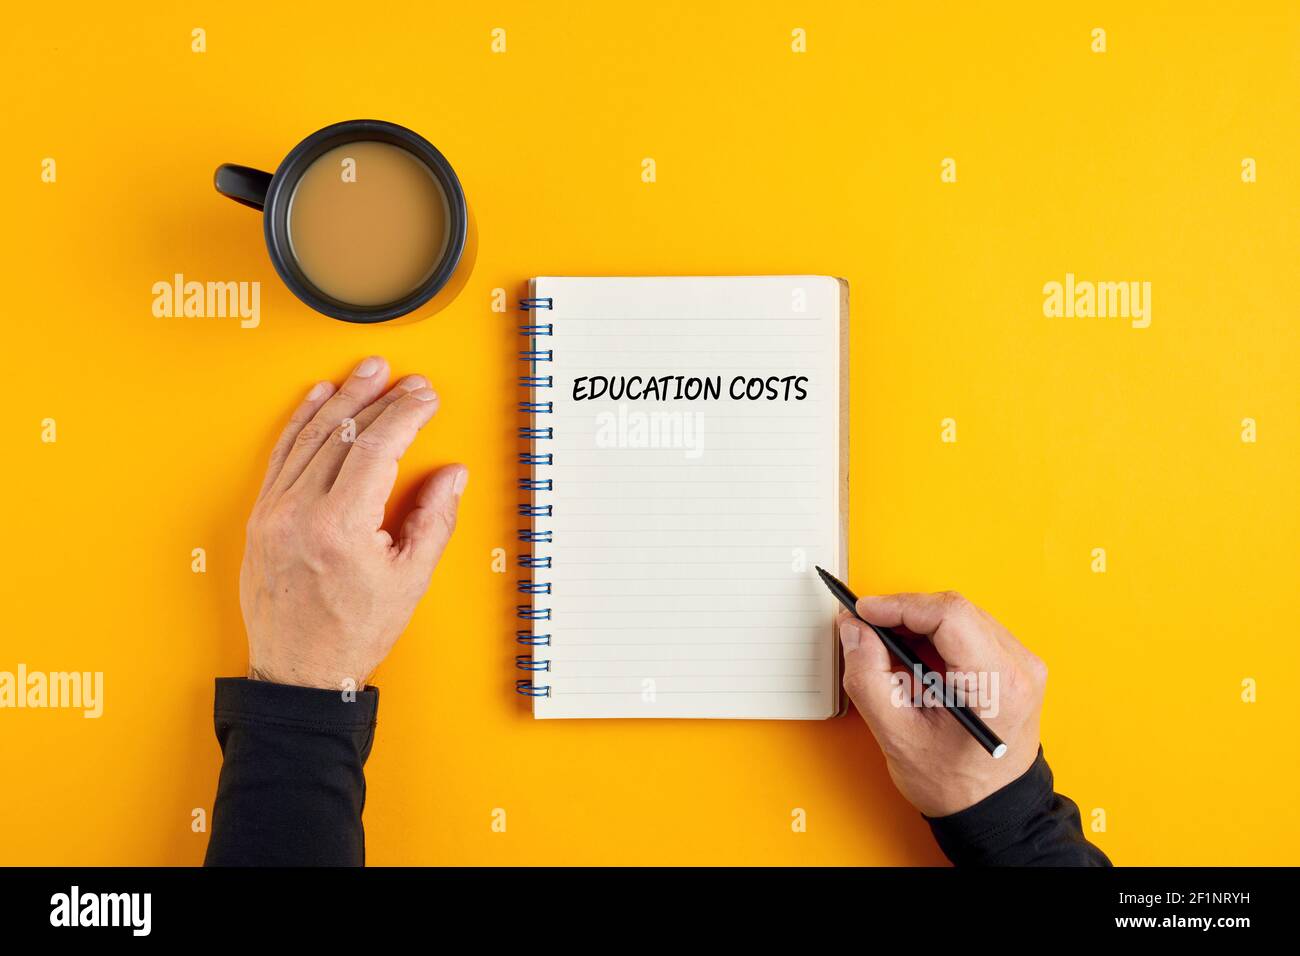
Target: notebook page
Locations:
point(687, 516)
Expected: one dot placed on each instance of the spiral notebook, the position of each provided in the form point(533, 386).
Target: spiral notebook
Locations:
point(685, 468)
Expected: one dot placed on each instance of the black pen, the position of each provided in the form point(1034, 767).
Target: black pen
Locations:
point(897, 646)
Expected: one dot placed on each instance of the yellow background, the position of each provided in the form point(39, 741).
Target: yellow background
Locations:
point(1073, 434)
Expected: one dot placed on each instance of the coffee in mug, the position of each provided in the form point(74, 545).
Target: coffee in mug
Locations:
point(368, 223)
point(364, 220)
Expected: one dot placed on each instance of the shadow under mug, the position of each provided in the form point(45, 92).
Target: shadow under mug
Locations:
point(271, 194)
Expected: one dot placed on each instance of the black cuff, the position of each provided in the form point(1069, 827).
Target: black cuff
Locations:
point(1026, 823)
point(977, 829)
point(292, 786)
point(240, 700)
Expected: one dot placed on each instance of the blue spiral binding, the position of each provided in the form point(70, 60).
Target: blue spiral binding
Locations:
point(534, 355)
point(529, 689)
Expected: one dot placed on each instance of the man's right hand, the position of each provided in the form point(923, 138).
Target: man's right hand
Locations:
point(325, 590)
point(932, 760)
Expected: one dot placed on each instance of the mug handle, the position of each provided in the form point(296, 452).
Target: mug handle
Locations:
point(243, 184)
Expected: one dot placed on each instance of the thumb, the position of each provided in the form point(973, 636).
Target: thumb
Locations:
point(870, 681)
point(428, 527)
point(958, 630)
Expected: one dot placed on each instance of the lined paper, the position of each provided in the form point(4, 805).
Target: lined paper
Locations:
point(685, 532)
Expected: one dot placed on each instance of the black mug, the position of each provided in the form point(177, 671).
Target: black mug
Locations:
point(271, 194)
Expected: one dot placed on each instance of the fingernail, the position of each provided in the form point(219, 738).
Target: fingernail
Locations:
point(850, 635)
point(462, 479)
point(412, 382)
point(424, 394)
point(318, 391)
point(368, 367)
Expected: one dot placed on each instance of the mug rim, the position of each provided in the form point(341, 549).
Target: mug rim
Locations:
point(275, 217)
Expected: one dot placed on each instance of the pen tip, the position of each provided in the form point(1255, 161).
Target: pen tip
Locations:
point(820, 570)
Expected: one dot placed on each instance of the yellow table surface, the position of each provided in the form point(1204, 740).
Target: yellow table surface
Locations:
point(1073, 434)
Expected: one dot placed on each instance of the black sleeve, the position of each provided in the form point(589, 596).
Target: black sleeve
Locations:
point(1026, 823)
point(291, 789)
